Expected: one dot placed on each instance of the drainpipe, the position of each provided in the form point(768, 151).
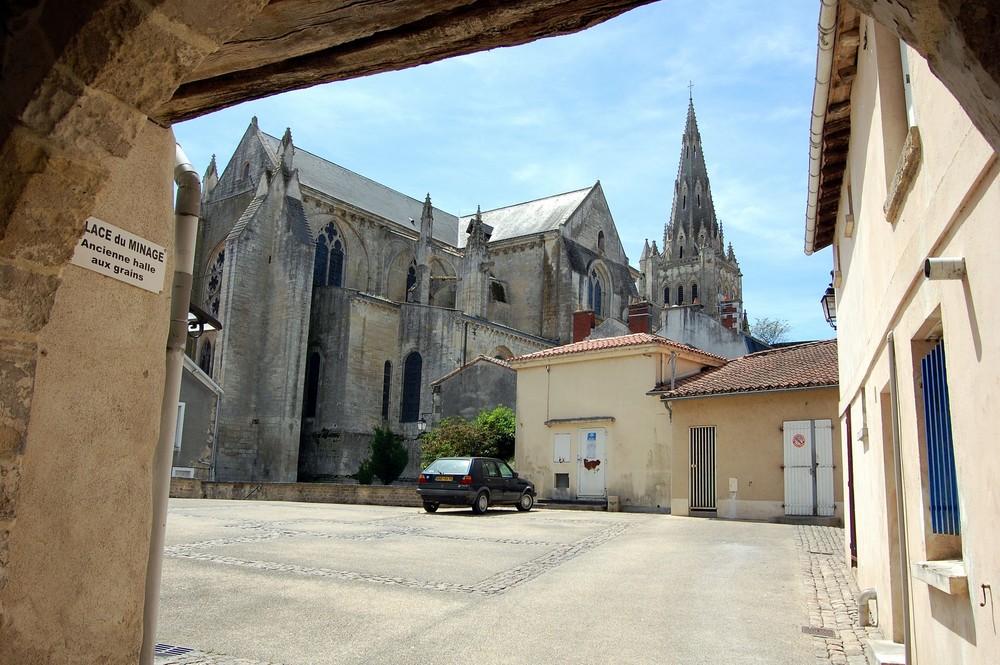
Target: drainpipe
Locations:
point(186, 210)
point(904, 573)
point(821, 94)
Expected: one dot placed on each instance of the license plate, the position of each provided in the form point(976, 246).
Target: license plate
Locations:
point(444, 479)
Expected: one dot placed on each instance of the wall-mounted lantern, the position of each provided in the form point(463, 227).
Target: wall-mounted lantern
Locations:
point(829, 304)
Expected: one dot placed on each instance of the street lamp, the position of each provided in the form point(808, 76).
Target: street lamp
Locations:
point(829, 304)
point(422, 424)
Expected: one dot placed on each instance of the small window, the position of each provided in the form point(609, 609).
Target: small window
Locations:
point(490, 469)
point(562, 481)
point(680, 295)
point(694, 292)
point(942, 479)
point(205, 358)
point(506, 471)
point(497, 292)
point(600, 241)
point(680, 254)
point(411, 281)
point(312, 386)
point(386, 389)
point(684, 201)
point(666, 295)
point(245, 172)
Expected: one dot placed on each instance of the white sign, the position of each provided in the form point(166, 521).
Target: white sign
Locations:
point(114, 252)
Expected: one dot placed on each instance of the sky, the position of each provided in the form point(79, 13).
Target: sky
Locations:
point(608, 104)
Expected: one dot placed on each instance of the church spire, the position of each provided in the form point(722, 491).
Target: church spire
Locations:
point(692, 218)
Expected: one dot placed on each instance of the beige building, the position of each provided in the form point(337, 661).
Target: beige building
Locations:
point(587, 429)
point(906, 189)
point(754, 438)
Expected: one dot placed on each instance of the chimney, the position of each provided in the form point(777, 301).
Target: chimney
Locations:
point(640, 317)
point(583, 322)
point(729, 314)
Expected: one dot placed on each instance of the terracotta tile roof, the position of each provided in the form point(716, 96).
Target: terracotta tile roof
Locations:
point(479, 358)
point(636, 339)
point(802, 366)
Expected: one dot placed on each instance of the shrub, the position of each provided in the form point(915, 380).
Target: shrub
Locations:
point(491, 434)
point(389, 455)
point(366, 473)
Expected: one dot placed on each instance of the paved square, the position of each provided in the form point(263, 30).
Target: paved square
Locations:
point(299, 583)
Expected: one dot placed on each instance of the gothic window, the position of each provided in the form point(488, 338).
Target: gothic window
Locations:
point(699, 199)
point(412, 368)
point(666, 295)
point(205, 358)
point(245, 172)
point(329, 267)
point(684, 202)
point(595, 293)
point(312, 386)
point(386, 389)
point(600, 241)
point(411, 281)
point(213, 286)
point(694, 292)
point(680, 294)
point(681, 253)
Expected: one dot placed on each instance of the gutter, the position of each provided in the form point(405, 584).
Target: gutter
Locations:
point(821, 94)
point(904, 554)
point(667, 398)
point(186, 210)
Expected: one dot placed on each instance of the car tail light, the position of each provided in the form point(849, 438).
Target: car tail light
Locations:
point(466, 480)
point(422, 478)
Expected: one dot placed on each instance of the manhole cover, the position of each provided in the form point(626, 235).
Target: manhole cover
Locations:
point(821, 632)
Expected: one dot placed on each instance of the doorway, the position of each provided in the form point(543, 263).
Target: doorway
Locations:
point(592, 463)
point(809, 467)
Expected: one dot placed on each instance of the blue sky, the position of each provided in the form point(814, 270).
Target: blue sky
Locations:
point(609, 104)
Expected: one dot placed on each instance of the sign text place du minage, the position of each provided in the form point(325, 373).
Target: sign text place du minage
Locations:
point(121, 255)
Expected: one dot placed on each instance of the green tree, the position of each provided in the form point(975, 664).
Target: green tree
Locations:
point(453, 437)
point(491, 434)
point(770, 331)
point(497, 428)
point(389, 455)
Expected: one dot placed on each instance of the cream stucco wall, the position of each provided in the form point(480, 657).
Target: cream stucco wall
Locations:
point(748, 447)
point(951, 211)
point(594, 387)
point(80, 541)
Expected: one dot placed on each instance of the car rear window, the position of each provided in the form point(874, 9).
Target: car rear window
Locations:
point(457, 467)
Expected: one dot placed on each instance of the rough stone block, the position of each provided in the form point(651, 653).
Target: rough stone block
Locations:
point(25, 298)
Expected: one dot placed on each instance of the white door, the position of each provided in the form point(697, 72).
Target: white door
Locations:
point(592, 463)
point(808, 449)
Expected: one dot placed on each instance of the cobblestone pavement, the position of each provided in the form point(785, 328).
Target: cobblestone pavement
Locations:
point(832, 597)
point(829, 618)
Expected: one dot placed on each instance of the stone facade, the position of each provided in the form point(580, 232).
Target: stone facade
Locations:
point(355, 308)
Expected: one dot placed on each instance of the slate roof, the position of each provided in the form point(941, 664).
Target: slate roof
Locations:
point(524, 219)
point(624, 341)
point(357, 190)
point(480, 358)
point(802, 366)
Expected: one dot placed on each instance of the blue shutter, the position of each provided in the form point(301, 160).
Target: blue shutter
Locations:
point(941, 475)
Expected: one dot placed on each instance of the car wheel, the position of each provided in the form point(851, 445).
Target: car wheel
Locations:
point(430, 506)
point(525, 502)
point(481, 504)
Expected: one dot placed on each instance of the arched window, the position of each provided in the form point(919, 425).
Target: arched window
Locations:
point(694, 292)
point(666, 295)
point(329, 267)
point(680, 295)
point(245, 172)
point(595, 293)
point(497, 292)
point(312, 386)
point(205, 358)
point(698, 196)
point(411, 280)
point(213, 286)
point(684, 202)
point(600, 241)
point(681, 253)
point(412, 369)
point(386, 388)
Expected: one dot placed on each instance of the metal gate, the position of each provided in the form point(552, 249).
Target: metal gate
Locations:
point(808, 467)
point(702, 468)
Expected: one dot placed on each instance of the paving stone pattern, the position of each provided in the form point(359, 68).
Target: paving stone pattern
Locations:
point(831, 617)
point(832, 596)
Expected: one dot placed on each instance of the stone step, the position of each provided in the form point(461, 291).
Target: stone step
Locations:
point(885, 652)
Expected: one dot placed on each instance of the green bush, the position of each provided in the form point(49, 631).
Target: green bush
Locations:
point(389, 455)
point(366, 473)
point(491, 434)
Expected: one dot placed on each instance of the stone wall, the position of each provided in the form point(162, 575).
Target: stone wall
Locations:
point(369, 495)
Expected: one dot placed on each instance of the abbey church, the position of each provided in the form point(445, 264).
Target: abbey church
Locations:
point(343, 303)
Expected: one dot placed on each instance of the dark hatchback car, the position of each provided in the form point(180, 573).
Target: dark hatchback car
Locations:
point(479, 482)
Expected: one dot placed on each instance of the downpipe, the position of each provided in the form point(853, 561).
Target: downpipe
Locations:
point(187, 207)
point(904, 573)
